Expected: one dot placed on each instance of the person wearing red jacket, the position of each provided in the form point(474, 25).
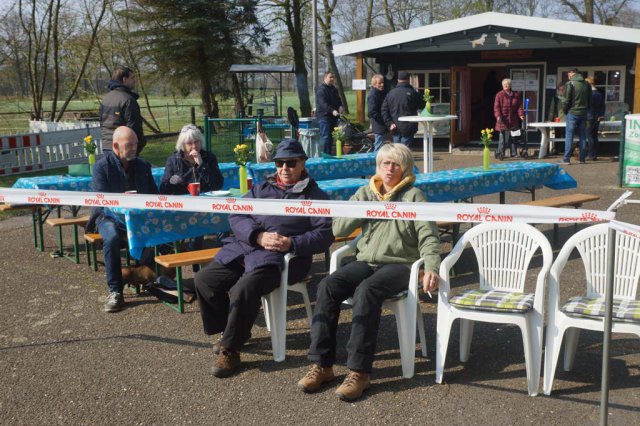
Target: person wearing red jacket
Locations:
point(507, 109)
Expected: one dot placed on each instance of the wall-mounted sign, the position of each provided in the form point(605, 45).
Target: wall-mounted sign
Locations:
point(551, 82)
point(357, 84)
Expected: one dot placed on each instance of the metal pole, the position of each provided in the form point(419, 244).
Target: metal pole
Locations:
point(314, 46)
point(606, 350)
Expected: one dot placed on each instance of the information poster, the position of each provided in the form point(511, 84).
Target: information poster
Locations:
point(631, 162)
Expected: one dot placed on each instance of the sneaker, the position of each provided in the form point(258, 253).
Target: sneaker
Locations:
point(114, 303)
point(564, 162)
point(353, 386)
point(315, 378)
point(227, 362)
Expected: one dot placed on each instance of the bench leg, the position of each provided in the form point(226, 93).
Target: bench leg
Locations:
point(87, 250)
point(61, 251)
point(34, 218)
point(76, 252)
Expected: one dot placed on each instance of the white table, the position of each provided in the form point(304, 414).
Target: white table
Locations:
point(546, 142)
point(427, 148)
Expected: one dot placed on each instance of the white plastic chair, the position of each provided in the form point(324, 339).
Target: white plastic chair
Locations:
point(405, 307)
point(275, 310)
point(504, 252)
point(592, 244)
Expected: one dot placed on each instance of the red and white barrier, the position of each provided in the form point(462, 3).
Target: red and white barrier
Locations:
point(451, 212)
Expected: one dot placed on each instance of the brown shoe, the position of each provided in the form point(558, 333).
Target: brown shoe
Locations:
point(315, 378)
point(227, 362)
point(354, 384)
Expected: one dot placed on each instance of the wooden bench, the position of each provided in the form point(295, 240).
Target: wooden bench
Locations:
point(36, 219)
point(59, 222)
point(178, 260)
point(569, 200)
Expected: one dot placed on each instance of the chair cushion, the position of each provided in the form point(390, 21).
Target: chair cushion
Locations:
point(593, 307)
point(493, 300)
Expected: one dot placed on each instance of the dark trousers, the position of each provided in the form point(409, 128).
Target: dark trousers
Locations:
point(593, 126)
point(230, 298)
point(368, 288)
point(326, 126)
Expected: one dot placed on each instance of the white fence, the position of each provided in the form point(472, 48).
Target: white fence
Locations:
point(46, 149)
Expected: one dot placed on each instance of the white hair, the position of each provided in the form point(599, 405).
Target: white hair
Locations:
point(189, 133)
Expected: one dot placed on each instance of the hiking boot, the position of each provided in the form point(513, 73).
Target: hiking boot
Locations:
point(315, 378)
point(227, 362)
point(353, 385)
point(216, 347)
point(114, 303)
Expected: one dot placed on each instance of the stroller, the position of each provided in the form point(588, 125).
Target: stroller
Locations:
point(361, 142)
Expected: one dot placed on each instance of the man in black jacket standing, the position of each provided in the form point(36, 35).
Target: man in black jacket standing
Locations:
point(120, 108)
point(401, 101)
point(374, 105)
point(328, 107)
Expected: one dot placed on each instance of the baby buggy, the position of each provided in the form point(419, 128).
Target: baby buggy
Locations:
point(360, 141)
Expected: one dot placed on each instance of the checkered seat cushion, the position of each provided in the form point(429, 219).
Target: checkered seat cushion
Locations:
point(494, 300)
point(593, 307)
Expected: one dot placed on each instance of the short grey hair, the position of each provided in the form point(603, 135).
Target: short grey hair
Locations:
point(189, 133)
point(506, 80)
point(400, 154)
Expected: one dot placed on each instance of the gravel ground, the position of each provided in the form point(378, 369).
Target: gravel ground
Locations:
point(64, 361)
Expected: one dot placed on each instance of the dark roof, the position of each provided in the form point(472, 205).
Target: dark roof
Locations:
point(247, 68)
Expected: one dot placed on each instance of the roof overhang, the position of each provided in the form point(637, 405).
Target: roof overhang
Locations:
point(500, 30)
point(258, 68)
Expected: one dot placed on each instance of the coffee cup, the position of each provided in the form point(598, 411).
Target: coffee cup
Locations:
point(557, 119)
point(249, 182)
point(194, 188)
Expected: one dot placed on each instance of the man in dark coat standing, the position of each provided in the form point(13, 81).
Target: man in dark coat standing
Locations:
point(401, 101)
point(249, 264)
point(374, 106)
point(120, 108)
point(595, 115)
point(328, 107)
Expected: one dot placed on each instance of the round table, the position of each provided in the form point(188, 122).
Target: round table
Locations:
point(427, 148)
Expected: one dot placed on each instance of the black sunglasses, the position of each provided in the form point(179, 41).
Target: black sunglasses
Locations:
point(289, 163)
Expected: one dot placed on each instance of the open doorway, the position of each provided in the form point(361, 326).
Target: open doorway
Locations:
point(486, 82)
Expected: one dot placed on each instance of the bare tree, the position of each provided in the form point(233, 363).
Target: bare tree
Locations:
point(325, 23)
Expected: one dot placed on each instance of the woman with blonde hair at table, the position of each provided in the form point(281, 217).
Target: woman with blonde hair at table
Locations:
point(381, 269)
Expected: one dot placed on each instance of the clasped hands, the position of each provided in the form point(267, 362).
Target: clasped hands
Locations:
point(274, 241)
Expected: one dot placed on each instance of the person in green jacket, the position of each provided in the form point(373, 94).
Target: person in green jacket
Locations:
point(577, 101)
point(385, 252)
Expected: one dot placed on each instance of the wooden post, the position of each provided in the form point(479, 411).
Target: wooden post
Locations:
point(636, 86)
point(360, 93)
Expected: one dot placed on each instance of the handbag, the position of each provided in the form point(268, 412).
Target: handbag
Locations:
point(264, 146)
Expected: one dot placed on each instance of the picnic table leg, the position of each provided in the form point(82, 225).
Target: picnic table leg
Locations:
point(76, 252)
point(60, 252)
point(34, 218)
point(502, 197)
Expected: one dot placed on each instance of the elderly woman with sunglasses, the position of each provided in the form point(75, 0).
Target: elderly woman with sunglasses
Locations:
point(190, 163)
point(248, 266)
point(381, 269)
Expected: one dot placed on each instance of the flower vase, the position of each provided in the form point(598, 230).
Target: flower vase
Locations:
point(486, 155)
point(338, 148)
point(426, 112)
point(242, 176)
point(92, 161)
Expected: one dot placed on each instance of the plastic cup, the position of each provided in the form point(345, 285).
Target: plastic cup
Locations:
point(194, 188)
point(557, 119)
point(249, 182)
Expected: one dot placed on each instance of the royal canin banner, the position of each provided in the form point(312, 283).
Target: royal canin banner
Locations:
point(625, 228)
point(449, 212)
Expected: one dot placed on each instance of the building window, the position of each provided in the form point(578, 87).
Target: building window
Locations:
point(437, 81)
point(609, 80)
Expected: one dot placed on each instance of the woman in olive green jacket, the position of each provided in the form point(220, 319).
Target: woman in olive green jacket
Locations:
point(382, 268)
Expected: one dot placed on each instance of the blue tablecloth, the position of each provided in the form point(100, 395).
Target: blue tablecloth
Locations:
point(83, 183)
point(352, 165)
point(457, 184)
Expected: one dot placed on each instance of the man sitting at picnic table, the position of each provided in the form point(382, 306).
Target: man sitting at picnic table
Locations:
point(248, 266)
point(118, 171)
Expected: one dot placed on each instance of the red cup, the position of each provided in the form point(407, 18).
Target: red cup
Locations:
point(194, 188)
point(557, 119)
point(249, 182)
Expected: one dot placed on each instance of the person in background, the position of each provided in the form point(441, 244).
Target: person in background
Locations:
point(190, 163)
point(248, 266)
point(120, 108)
point(507, 109)
point(595, 115)
point(401, 101)
point(381, 270)
point(374, 109)
point(118, 171)
point(577, 101)
point(328, 108)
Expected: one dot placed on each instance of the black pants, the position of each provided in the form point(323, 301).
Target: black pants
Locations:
point(230, 298)
point(368, 287)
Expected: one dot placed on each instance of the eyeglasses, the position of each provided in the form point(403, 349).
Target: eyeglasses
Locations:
point(289, 163)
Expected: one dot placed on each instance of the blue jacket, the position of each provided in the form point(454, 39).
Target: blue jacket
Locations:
point(309, 235)
point(597, 105)
point(208, 173)
point(109, 176)
point(327, 101)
